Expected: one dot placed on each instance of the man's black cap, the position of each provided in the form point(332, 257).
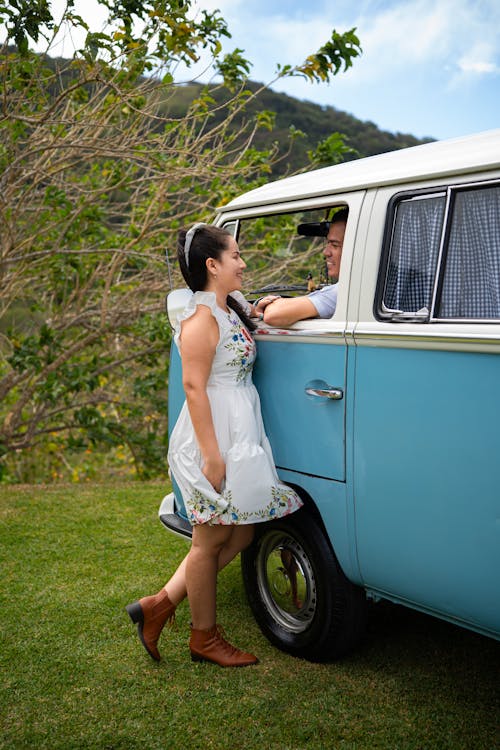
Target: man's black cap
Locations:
point(314, 229)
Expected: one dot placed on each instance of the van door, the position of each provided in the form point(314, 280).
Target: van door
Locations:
point(301, 382)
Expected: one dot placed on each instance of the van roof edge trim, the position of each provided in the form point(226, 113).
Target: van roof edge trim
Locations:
point(464, 155)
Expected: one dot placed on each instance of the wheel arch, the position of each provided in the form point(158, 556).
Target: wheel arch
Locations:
point(313, 510)
point(328, 619)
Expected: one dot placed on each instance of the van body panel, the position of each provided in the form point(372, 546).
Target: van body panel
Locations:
point(176, 398)
point(427, 478)
point(176, 395)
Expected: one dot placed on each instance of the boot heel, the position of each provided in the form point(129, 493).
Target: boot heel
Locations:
point(135, 612)
point(195, 657)
point(150, 614)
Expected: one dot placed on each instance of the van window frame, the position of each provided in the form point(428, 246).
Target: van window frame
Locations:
point(236, 224)
point(449, 193)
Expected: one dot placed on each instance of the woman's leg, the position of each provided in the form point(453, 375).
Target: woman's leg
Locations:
point(239, 539)
point(201, 570)
point(207, 642)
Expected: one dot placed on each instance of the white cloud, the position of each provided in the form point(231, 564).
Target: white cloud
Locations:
point(425, 33)
point(477, 67)
point(412, 33)
point(478, 61)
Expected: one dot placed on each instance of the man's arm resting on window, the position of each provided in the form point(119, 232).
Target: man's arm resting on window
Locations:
point(285, 311)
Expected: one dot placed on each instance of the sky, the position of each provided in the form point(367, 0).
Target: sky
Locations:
point(428, 68)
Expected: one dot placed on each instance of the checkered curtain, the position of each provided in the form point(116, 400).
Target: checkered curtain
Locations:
point(414, 252)
point(471, 287)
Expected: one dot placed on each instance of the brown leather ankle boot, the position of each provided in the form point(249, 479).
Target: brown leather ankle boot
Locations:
point(151, 613)
point(210, 645)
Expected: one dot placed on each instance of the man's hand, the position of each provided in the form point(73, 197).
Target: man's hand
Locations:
point(262, 303)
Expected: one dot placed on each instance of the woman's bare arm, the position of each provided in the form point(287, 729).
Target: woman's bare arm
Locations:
point(199, 338)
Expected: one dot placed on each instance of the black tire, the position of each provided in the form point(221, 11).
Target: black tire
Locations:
point(324, 617)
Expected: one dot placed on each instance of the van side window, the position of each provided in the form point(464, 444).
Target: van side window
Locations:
point(471, 284)
point(281, 256)
point(443, 259)
point(416, 237)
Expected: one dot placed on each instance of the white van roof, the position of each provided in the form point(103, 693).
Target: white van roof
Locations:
point(472, 153)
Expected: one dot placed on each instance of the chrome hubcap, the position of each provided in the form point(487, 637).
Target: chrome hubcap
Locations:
point(286, 581)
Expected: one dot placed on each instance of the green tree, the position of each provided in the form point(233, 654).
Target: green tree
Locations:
point(97, 174)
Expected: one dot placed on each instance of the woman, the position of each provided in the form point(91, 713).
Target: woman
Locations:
point(219, 454)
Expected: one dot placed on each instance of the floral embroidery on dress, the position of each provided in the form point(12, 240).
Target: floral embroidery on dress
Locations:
point(283, 500)
point(204, 510)
point(243, 346)
point(282, 504)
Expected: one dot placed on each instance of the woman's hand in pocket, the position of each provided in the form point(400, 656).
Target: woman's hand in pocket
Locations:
point(215, 471)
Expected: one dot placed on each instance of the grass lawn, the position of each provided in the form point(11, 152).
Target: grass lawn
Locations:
point(73, 674)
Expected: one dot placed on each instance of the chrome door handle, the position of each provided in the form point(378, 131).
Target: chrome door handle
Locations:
point(329, 392)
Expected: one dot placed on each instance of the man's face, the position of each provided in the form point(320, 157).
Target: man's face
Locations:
point(333, 250)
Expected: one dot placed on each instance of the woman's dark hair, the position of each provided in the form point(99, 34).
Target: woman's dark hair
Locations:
point(206, 242)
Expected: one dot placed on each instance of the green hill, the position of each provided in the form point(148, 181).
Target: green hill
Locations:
point(315, 121)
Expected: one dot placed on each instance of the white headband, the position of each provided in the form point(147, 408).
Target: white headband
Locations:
point(189, 238)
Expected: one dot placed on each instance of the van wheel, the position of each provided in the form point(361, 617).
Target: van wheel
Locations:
point(299, 596)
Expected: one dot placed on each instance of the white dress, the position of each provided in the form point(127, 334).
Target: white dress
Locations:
point(252, 491)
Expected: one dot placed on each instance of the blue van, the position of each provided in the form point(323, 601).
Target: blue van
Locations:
point(386, 417)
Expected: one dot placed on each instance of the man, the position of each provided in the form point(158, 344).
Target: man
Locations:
point(321, 303)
